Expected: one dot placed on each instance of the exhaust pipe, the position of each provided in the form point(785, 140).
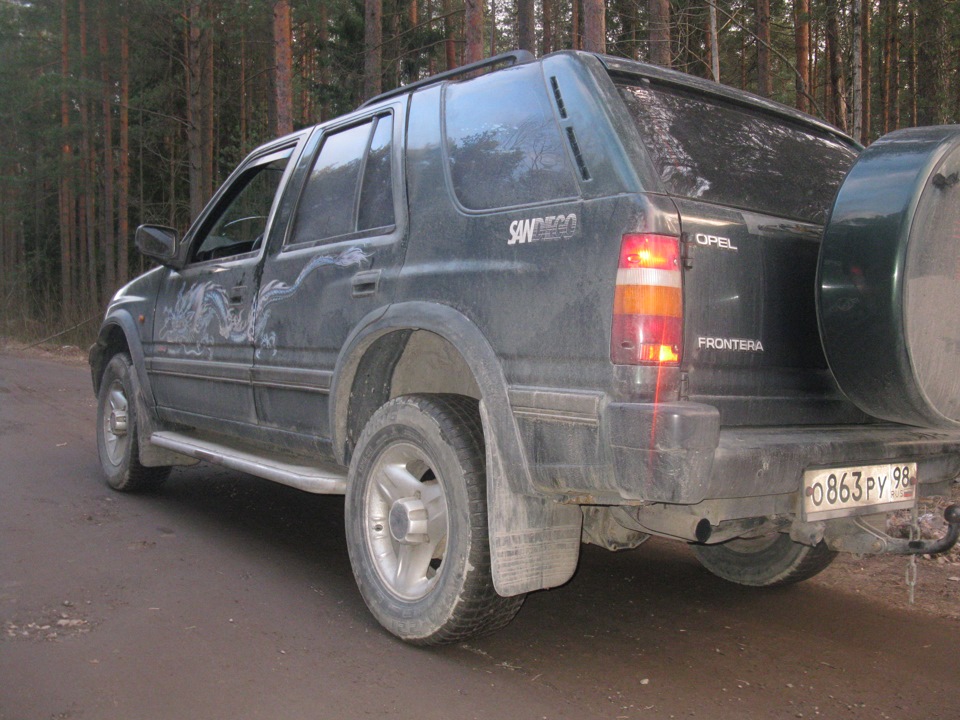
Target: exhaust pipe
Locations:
point(669, 523)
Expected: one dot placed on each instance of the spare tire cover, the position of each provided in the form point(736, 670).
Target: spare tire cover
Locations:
point(888, 281)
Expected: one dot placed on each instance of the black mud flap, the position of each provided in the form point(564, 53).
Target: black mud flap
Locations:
point(534, 542)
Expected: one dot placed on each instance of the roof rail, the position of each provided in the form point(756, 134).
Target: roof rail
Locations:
point(514, 57)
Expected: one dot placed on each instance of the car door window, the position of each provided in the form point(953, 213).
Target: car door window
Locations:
point(350, 186)
point(238, 224)
point(376, 194)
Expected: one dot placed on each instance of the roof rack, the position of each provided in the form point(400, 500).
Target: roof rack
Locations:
point(514, 57)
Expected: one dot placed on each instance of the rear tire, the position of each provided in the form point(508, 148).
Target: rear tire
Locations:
point(118, 440)
point(766, 561)
point(416, 522)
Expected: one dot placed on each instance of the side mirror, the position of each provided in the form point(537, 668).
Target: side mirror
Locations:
point(158, 243)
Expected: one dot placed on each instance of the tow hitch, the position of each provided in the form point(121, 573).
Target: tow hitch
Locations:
point(854, 535)
point(944, 544)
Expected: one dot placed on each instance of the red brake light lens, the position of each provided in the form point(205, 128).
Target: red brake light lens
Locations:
point(655, 252)
point(648, 302)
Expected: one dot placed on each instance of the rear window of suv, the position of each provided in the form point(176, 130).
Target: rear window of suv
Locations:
point(706, 149)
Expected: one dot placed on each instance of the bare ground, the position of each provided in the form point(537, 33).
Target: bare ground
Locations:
point(884, 578)
point(225, 596)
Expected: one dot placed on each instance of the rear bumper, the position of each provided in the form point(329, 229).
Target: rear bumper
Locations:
point(771, 461)
point(663, 452)
point(677, 453)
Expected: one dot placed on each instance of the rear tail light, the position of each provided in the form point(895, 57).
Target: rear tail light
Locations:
point(648, 304)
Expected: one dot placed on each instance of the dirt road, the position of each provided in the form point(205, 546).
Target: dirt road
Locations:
point(225, 596)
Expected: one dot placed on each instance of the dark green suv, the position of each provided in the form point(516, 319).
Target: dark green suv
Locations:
point(532, 303)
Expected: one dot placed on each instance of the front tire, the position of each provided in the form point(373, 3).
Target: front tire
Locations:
point(765, 561)
point(118, 441)
point(416, 522)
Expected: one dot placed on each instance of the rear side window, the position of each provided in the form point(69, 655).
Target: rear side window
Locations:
point(350, 185)
point(376, 195)
point(503, 145)
point(717, 152)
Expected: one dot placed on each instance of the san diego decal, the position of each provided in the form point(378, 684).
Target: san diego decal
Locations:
point(552, 227)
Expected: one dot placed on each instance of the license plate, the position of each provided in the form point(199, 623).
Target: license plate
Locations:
point(835, 492)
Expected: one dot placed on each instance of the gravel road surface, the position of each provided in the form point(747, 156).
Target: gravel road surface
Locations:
point(226, 596)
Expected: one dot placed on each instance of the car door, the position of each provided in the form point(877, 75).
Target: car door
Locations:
point(203, 327)
point(337, 262)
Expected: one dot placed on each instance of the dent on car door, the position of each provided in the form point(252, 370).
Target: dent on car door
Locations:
point(336, 262)
point(203, 327)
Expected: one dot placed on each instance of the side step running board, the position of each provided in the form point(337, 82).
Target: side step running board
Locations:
point(322, 479)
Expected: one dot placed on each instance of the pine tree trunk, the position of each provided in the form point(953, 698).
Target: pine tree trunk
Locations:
point(801, 20)
point(393, 45)
point(659, 11)
point(88, 222)
point(283, 57)
point(123, 209)
point(67, 299)
point(493, 27)
point(856, 58)
point(714, 40)
point(526, 25)
point(575, 25)
point(890, 70)
point(865, 62)
point(835, 54)
point(109, 237)
point(324, 37)
point(194, 84)
point(548, 13)
point(206, 79)
point(912, 69)
point(594, 26)
point(764, 83)
point(473, 30)
point(449, 45)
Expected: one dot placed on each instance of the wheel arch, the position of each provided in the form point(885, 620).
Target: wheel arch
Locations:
point(118, 333)
point(378, 362)
point(534, 541)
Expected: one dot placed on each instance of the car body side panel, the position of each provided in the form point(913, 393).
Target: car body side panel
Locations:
point(313, 295)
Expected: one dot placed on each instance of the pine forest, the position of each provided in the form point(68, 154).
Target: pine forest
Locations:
point(122, 112)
